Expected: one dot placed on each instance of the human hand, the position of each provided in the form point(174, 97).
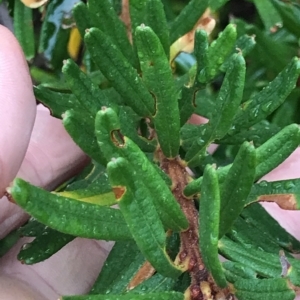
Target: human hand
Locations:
point(35, 147)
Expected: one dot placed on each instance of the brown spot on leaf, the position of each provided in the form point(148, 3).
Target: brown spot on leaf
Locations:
point(117, 138)
point(144, 273)
point(119, 191)
point(284, 201)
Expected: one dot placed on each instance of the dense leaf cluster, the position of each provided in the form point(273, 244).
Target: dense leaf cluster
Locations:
point(125, 99)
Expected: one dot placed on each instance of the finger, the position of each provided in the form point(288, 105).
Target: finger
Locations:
point(18, 107)
point(51, 158)
point(71, 271)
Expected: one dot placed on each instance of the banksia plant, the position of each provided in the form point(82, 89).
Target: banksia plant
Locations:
point(126, 102)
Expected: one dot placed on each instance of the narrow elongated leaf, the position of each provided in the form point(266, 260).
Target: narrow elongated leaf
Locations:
point(289, 13)
point(264, 263)
point(104, 17)
point(157, 283)
point(122, 76)
point(89, 95)
point(70, 216)
point(234, 271)
point(129, 122)
point(258, 134)
point(237, 186)
point(151, 296)
point(8, 242)
point(187, 102)
point(57, 102)
point(157, 76)
point(82, 18)
point(268, 13)
point(270, 98)
point(216, 4)
point(268, 156)
point(267, 289)
point(107, 126)
point(257, 216)
point(227, 103)
point(32, 228)
point(218, 52)
point(23, 28)
point(43, 246)
point(98, 192)
point(273, 152)
point(121, 265)
point(141, 216)
point(246, 233)
point(201, 49)
point(244, 45)
point(209, 217)
point(82, 132)
point(156, 20)
point(187, 18)
point(152, 14)
point(286, 193)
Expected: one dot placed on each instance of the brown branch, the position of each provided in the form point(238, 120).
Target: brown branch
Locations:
point(202, 287)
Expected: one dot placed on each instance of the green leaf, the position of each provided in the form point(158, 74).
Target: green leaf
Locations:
point(268, 156)
point(104, 17)
point(257, 216)
point(187, 18)
point(248, 234)
point(290, 13)
point(157, 76)
point(244, 45)
point(156, 283)
point(122, 76)
point(227, 103)
point(218, 52)
point(237, 186)
point(32, 228)
point(268, 13)
point(81, 129)
point(209, 217)
point(82, 17)
point(216, 4)
point(141, 216)
point(57, 102)
point(201, 49)
point(121, 265)
point(88, 94)
point(270, 98)
point(108, 135)
point(43, 246)
point(286, 193)
point(273, 152)
point(152, 14)
point(130, 123)
point(234, 271)
point(70, 216)
point(151, 296)
point(264, 263)
point(23, 28)
point(8, 242)
point(97, 191)
point(258, 134)
point(267, 289)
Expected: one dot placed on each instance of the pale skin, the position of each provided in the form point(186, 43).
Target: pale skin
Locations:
point(35, 147)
